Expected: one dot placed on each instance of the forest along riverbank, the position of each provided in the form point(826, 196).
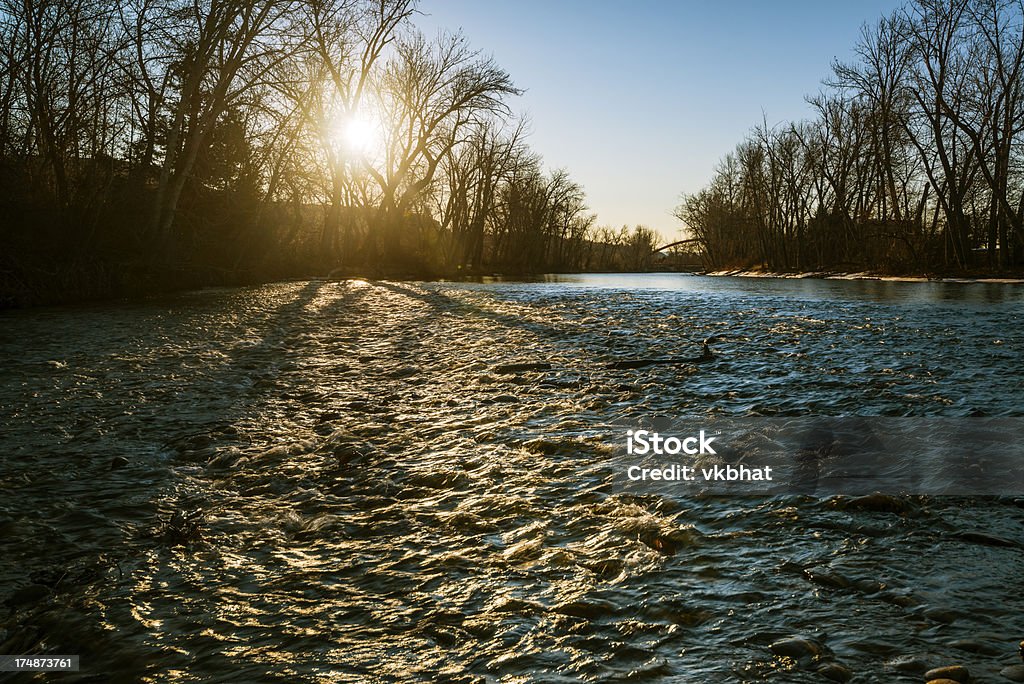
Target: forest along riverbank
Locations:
point(329, 479)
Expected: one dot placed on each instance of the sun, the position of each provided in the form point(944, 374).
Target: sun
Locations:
point(358, 135)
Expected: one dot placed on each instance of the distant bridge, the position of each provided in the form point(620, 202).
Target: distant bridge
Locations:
point(673, 244)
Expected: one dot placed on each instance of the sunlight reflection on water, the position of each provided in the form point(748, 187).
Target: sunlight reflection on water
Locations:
point(377, 501)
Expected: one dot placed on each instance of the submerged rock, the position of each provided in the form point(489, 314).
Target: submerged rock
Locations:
point(588, 610)
point(826, 578)
point(796, 648)
point(835, 672)
point(118, 462)
point(1015, 673)
point(953, 673)
point(225, 459)
point(975, 646)
point(985, 539)
point(943, 615)
point(902, 598)
point(652, 669)
point(908, 664)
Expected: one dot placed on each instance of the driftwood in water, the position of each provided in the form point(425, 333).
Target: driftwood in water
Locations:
point(520, 367)
point(705, 356)
point(643, 363)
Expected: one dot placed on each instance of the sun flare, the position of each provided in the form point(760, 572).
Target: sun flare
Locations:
point(358, 135)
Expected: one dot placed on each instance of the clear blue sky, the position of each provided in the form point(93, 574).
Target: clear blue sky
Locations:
point(639, 100)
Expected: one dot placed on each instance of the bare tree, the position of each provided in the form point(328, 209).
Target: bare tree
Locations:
point(430, 95)
point(348, 38)
point(219, 50)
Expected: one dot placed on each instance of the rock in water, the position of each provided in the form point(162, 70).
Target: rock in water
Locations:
point(796, 648)
point(975, 646)
point(908, 664)
point(1015, 673)
point(956, 673)
point(825, 578)
point(118, 462)
point(835, 672)
point(943, 615)
point(985, 539)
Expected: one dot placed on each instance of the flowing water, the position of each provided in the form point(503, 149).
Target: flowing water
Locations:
point(330, 482)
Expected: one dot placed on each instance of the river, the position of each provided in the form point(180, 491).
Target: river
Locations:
point(329, 482)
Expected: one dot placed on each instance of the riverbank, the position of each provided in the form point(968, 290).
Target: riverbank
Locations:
point(50, 282)
point(56, 282)
point(977, 277)
point(95, 280)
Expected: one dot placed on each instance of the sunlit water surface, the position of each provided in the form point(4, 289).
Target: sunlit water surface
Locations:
point(328, 481)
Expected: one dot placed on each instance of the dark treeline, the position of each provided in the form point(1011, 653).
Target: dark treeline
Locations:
point(913, 163)
point(160, 143)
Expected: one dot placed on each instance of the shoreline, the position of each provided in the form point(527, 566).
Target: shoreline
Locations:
point(864, 275)
point(135, 287)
